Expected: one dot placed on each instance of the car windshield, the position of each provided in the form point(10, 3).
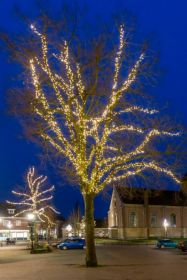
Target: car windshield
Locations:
point(66, 241)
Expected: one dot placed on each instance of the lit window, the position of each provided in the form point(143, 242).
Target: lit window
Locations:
point(173, 220)
point(18, 223)
point(153, 220)
point(11, 211)
point(6, 222)
point(132, 219)
point(115, 220)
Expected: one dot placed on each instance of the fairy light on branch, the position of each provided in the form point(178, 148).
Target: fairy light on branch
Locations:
point(36, 199)
point(138, 168)
point(118, 57)
point(117, 94)
point(139, 109)
point(70, 137)
point(124, 128)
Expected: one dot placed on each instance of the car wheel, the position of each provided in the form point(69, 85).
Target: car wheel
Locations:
point(64, 247)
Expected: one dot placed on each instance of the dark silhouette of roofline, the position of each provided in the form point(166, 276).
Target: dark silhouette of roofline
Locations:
point(156, 197)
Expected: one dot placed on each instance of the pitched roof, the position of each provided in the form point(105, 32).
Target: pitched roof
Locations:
point(156, 197)
point(4, 206)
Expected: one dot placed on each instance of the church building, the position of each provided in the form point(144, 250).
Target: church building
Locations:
point(156, 214)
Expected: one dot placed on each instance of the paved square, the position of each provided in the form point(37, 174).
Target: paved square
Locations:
point(127, 262)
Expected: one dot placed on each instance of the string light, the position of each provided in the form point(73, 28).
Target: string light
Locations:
point(34, 200)
point(71, 138)
point(139, 109)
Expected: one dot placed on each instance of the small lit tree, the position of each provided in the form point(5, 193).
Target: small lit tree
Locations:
point(36, 199)
point(60, 105)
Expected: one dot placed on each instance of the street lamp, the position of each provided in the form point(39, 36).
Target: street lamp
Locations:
point(165, 225)
point(31, 218)
point(69, 229)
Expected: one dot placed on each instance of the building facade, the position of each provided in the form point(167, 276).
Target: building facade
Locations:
point(165, 215)
point(12, 227)
point(18, 228)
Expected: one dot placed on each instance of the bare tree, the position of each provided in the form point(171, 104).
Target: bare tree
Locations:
point(36, 199)
point(60, 107)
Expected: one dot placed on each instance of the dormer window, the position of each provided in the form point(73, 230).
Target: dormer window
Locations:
point(11, 211)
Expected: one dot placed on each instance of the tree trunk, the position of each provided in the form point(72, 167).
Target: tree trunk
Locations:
point(147, 218)
point(91, 259)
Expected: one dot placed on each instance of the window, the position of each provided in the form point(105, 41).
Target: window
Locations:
point(18, 223)
point(6, 223)
point(132, 219)
point(173, 220)
point(11, 211)
point(115, 220)
point(153, 220)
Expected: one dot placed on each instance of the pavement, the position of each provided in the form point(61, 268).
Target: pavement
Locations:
point(119, 262)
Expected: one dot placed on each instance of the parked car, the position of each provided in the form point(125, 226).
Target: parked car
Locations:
point(166, 243)
point(72, 243)
point(56, 243)
point(183, 245)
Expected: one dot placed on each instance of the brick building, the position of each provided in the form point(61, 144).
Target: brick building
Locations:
point(18, 227)
point(128, 217)
point(10, 226)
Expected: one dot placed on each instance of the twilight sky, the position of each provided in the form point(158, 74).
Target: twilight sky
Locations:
point(167, 20)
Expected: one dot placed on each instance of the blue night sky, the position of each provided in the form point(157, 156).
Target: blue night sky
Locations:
point(167, 20)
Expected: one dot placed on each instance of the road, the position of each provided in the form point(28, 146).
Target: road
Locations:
point(119, 262)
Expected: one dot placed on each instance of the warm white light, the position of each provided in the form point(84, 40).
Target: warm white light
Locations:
point(100, 163)
point(30, 216)
point(165, 223)
point(9, 225)
point(69, 228)
point(35, 201)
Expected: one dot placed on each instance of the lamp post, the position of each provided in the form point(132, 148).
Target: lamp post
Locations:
point(9, 226)
point(31, 218)
point(165, 225)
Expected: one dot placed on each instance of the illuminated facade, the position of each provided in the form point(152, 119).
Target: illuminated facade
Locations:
point(127, 217)
point(12, 227)
point(17, 227)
